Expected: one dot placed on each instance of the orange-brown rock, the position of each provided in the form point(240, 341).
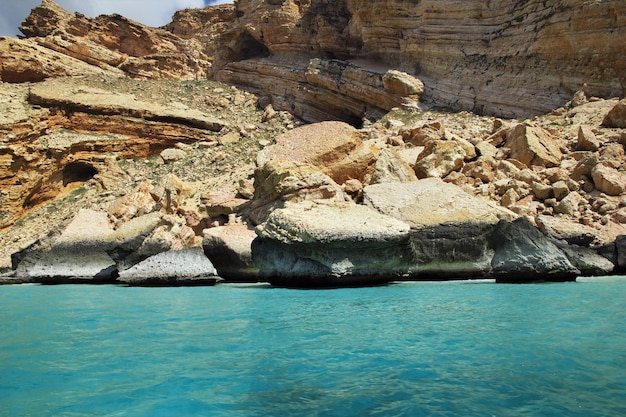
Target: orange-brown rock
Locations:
point(24, 60)
point(533, 145)
point(334, 147)
point(117, 43)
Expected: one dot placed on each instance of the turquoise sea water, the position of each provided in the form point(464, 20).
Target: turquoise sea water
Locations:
point(408, 349)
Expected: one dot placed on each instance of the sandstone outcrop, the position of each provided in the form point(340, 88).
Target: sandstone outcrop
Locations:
point(502, 58)
point(114, 43)
point(350, 59)
point(334, 147)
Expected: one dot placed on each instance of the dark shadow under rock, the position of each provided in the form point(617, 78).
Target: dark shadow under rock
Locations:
point(523, 254)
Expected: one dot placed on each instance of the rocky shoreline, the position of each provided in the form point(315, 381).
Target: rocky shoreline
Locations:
point(127, 162)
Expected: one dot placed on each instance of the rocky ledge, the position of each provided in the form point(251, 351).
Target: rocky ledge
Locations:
point(123, 159)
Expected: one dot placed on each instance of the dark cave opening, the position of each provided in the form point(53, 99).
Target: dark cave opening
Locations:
point(247, 47)
point(78, 171)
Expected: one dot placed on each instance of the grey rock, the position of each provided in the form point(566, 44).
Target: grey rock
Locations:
point(68, 263)
point(451, 251)
point(185, 267)
point(588, 261)
point(524, 254)
point(620, 246)
point(330, 244)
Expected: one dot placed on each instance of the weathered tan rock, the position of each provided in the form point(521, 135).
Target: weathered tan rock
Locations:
point(533, 146)
point(424, 133)
point(23, 60)
point(223, 201)
point(117, 43)
point(431, 202)
point(390, 167)
point(334, 147)
point(137, 203)
point(278, 182)
point(608, 180)
point(229, 247)
point(439, 158)
point(61, 93)
point(481, 169)
point(172, 155)
point(570, 204)
point(613, 154)
point(617, 116)
point(560, 190)
point(587, 140)
point(562, 228)
point(541, 191)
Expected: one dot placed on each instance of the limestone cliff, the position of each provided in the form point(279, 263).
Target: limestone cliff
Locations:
point(499, 57)
point(355, 59)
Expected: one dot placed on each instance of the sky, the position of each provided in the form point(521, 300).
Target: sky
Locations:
point(150, 12)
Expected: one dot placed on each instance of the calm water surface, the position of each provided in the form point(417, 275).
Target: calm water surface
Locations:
point(409, 349)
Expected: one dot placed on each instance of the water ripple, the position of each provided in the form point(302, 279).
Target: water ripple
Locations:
point(411, 349)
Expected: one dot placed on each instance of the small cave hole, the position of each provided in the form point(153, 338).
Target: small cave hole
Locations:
point(247, 47)
point(78, 172)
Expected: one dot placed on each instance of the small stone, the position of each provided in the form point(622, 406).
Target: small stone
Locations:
point(560, 189)
point(620, 216)
point(587, 140)
point(541, 191)
point(229, 138)
point(172, 155)
point(509, 198)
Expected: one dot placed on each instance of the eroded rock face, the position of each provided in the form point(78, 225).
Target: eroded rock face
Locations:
point(187, 267)
point(115, 43)
point(325, 60)
point(523, 254)
point(230, 249)
point(505, 58)
point(330, 244)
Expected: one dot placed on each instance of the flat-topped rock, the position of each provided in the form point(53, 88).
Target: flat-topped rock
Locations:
point(68, 93)
point(187, 267)
point(322, 244)
point(431, 202)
